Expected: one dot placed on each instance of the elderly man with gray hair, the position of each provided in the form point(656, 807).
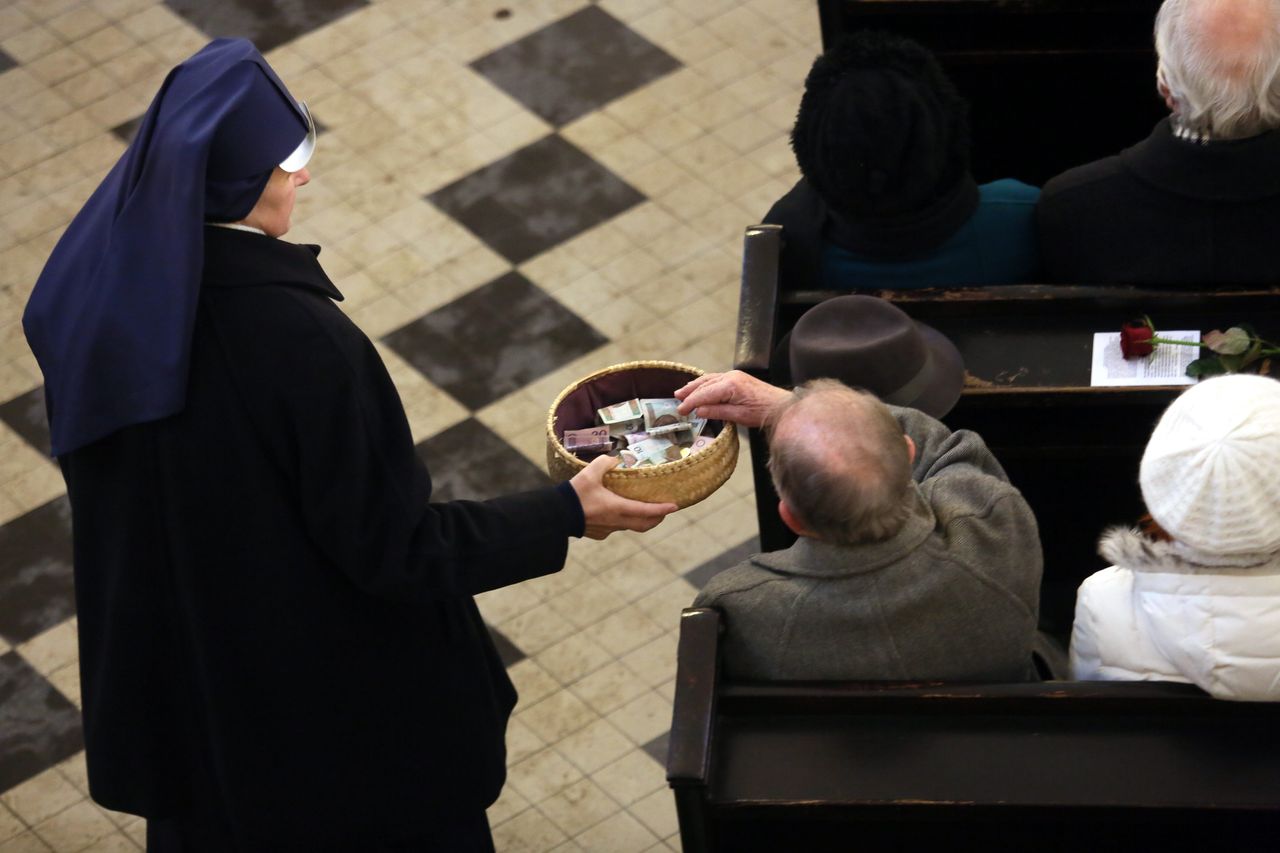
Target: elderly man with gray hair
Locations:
point(916, 558)
point(1198, 201)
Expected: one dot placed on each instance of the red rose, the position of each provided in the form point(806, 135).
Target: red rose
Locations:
point(1135, 339)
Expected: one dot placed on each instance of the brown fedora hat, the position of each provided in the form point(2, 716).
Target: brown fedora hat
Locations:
point(866, 342)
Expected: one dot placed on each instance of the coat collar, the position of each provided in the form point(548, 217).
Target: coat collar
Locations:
point(1219, 170)
point(234, 258)
point(816, 558)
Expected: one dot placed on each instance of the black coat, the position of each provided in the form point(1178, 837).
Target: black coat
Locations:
point(274, 622)
point(1167, 211)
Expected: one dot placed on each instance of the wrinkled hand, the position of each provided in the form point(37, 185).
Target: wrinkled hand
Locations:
point(733, 396)
point(607, 512)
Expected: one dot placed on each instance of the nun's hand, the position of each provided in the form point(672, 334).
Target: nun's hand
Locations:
point(734, 396)
point(606, 512)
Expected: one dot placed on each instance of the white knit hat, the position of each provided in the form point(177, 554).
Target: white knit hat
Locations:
point(1211, 472)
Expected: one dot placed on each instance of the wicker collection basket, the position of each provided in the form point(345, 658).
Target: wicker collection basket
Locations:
point(683, 482)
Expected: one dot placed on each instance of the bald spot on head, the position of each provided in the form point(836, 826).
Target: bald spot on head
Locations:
point(840, 462)
point(835, 428)
point(1233, 32)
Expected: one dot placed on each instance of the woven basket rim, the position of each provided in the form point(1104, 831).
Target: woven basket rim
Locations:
point(728, 433)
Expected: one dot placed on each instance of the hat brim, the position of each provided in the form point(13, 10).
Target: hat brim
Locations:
point(301, 155)
point(946, 375)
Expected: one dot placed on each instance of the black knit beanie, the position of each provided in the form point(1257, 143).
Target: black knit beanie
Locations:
point(881, 131)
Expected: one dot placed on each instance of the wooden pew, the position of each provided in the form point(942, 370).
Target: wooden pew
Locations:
point(1051, 83)
point(1073, 450)
point(1056, 766)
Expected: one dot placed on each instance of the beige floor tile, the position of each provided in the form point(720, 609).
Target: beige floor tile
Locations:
point(620, 833)
point(75, 771)
point(27, 842)
point(9, 510)
point(502, 605)
point(542, 775)
point(579, 807)
point(643, 718)
point(532, 682)
point(587, 601)
point(52, 649)
point(9, 824)
point(76, 827)
point(609, 687)
point(637, 575)
point(572, 658)
point(557, 716)
point(686, 550)
point(522, 741)
point(657, 811)
point(116, 842)
point(67, 681)
point(625, 631)
point(509, 804)
point(528, 832)
point(154, 21)
point(138, 832)
point(41, 797)
point(655, 661)
point(594, 746)
point(631, 777)
point(13, 20)
point(537, 628)
point(31, 43)
point(664, 604)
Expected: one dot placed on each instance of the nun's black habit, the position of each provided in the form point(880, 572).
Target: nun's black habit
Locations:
point(279, 648)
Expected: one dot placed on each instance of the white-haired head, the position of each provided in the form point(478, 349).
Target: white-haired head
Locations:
point(1220, 65)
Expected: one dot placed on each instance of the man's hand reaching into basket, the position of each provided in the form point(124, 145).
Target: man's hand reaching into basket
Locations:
point(734, 396)
point(606, 512)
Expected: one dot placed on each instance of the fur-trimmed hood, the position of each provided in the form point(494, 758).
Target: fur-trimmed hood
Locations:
point(1125, 546)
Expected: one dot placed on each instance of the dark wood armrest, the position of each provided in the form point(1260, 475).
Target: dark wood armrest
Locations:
point(758, 305)
point(697, 681)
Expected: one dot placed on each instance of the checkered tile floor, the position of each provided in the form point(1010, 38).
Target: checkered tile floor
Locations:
point(510, 194)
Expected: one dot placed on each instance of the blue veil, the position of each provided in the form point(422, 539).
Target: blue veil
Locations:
point(111, 316)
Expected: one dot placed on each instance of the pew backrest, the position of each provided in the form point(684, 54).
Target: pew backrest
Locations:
point(1064, 765)
point(1072, 449)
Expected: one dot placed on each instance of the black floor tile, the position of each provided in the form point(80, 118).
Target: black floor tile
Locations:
point(507, 650)
point(267, 25)
point(658, 748)
point(26, 416)
point(575, 65)
point(6, 62)
point(536, 198)
point(469, 461)
point(39, 727)
point(494, 340)
point(700, 575)
point(36, 585)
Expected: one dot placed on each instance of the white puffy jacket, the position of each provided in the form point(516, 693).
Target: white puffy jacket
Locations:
point(1158, 615)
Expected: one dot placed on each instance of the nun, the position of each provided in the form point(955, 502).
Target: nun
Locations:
point(279, 650)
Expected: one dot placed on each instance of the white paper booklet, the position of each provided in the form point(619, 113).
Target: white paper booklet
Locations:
point(1167, 365)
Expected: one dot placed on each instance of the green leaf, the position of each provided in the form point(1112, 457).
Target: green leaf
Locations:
point(1202, 368)
point(1233, 341)
point(1254, 353)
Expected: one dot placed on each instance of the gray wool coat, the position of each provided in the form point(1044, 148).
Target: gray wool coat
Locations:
point(954, 595)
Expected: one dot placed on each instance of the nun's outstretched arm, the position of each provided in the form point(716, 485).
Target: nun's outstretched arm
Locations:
point(324, 404)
